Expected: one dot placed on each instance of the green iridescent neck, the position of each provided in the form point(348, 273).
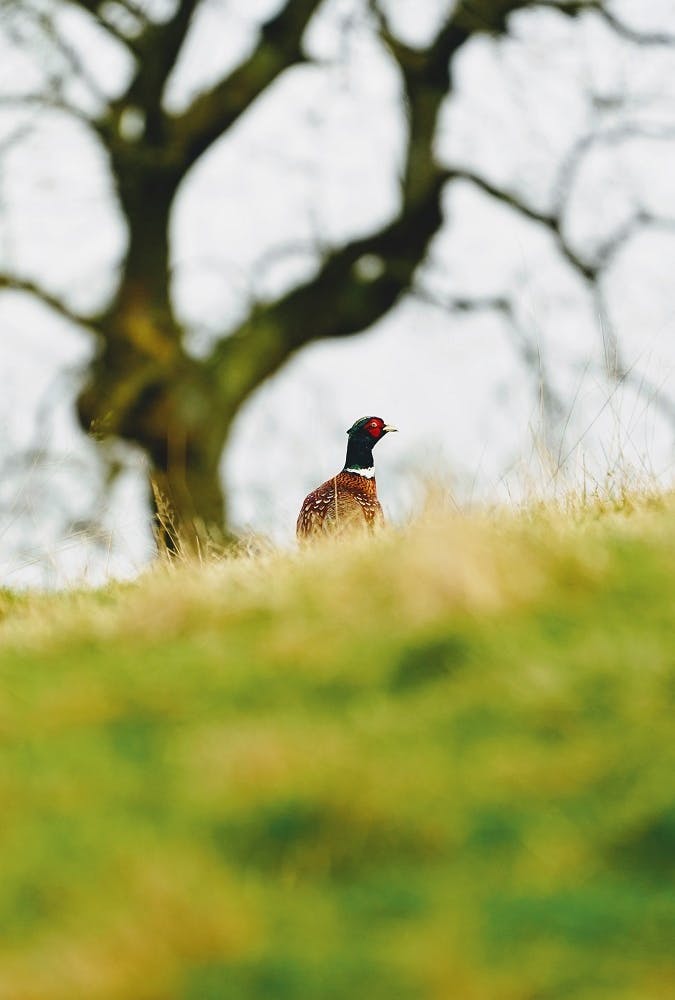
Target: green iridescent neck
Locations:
point(359, 453)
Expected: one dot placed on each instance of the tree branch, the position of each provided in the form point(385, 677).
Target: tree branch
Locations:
point(462, 303)
point(72, 57)
point(213, 112)
point(551, 221)
point(39, 102)
point(359, 283)
point(652, 38)
point(157, 49)
point(612, 136)
point(490, 16)
point(356, 286)
point(9, 282)
point(93, 9)
point(14, 138)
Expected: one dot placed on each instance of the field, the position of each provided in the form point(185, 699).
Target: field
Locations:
point(440, 764)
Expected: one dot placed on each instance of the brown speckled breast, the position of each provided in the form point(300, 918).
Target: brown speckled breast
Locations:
point(343, 503)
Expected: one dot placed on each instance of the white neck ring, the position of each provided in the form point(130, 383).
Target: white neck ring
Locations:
point(366, 473)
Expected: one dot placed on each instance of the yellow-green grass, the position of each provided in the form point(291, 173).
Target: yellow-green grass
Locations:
point(438, 764)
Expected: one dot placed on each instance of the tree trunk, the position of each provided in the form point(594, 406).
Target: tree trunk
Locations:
point(143, 387)
point(170, 407)
point(188, 506)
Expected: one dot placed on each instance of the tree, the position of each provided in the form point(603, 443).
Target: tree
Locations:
point(143, 385)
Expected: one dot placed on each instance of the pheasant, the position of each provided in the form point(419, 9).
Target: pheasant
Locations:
point(349, 499)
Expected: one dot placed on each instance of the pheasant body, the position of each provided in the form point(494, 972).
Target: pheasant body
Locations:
point(343, 502)
point(348, 500)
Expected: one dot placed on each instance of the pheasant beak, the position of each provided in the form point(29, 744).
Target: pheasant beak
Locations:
point(388, 428)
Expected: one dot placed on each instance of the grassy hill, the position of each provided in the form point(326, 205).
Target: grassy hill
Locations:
point(437, 765)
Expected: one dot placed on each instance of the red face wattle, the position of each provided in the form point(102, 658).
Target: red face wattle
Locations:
point(374, 427)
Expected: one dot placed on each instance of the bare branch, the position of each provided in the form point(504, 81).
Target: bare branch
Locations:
point(571, 163)
point(529, 350)
point(608, 250)
point(574, 8)
point(491, 16)
point(157, 49)
point(72, 57)
point(93, 8)
point(213, 112)
point(38, 102)
point(551, 221)
point(359, 283)
point(460, 303)
point(14, 138)
point(651, 38)
point(9, 282)
point(345, 297)
point(355, 287)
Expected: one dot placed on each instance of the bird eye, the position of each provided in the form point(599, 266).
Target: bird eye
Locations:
point(373, 423)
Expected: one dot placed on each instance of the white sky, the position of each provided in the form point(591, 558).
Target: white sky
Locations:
point(316, 159)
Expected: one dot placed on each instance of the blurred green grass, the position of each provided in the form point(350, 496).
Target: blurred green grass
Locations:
point(437, 765)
